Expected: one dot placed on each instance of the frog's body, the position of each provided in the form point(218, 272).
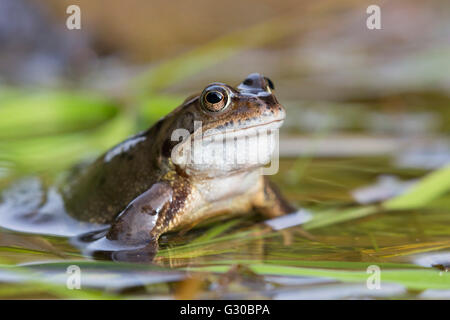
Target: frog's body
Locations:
point(143, 192)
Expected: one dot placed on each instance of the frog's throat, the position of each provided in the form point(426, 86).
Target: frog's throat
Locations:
point(219, 155)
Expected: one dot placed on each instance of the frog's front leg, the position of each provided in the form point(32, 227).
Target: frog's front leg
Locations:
point(270, 202)
point(141, 223)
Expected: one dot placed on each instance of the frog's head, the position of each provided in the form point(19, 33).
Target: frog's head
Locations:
point(235, 128)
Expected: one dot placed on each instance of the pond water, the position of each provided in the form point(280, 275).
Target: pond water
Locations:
point(244, 258)
point(368, 121)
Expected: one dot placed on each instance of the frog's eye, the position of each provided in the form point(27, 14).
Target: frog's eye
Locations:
point(215, 99)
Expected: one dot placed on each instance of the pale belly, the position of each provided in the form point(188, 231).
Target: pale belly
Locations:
point(225, 197)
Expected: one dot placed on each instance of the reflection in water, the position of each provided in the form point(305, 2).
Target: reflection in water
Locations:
point(435, 294)
point(290, 220)
point(390, 238)
point(385, 188)
point(432, 156)
point(28, 207)
point(341, 291)
point(440, 260)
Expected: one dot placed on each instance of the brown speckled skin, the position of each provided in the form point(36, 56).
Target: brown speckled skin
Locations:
point(104, 191)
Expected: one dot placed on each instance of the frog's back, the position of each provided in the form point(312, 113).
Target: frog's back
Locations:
point(104, 188)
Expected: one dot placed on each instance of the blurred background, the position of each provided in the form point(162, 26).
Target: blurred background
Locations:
point(368, 110)
point(130, 64)
point(387, 88)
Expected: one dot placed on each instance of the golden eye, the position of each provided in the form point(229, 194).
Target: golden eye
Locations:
point(214, 99)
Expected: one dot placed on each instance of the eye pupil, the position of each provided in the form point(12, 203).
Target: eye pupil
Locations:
point(214, 97)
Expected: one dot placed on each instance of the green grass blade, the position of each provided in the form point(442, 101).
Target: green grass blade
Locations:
point(429, 188)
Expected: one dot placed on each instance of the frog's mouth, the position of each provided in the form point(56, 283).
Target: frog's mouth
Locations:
point(245, 131)
point(221, 152)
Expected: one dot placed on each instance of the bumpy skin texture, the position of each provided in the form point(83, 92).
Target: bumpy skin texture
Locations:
point(137, 188)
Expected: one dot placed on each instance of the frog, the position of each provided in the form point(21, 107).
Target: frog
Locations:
point(143, 189)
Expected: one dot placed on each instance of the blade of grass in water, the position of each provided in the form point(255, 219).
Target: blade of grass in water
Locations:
point(216, 231)
point(331, 217)
point(205, 247)
point(430, 187)
point(37, 288)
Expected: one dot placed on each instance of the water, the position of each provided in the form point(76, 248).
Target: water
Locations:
point(407, 240)
point(368, 117)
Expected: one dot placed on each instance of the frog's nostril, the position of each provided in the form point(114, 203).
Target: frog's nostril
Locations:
point(270, 83)
point(256, 83)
